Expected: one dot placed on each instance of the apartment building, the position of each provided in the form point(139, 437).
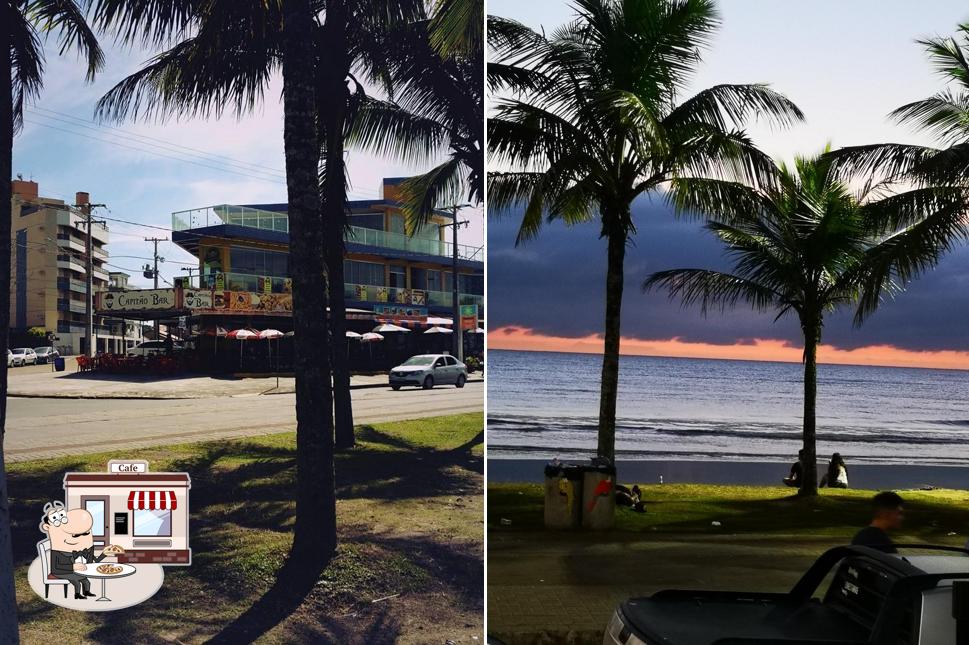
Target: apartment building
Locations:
point(48, 271)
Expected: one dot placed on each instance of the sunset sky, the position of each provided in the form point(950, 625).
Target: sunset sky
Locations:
point(846, 65)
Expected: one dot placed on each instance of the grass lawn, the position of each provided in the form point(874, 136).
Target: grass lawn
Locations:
point(408, 569)
point(562, 586)
point(761, 510)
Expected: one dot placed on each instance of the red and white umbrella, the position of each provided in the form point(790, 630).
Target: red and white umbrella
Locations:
point(242, 334)
point(439, 330)
point(269, 334)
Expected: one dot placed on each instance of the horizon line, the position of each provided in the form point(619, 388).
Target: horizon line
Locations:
point(518, 338)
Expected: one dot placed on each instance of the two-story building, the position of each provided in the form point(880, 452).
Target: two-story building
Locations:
point(244, 249)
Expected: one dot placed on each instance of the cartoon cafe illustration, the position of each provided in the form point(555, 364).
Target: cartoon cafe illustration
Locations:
point(140, 516)
point(145, 513)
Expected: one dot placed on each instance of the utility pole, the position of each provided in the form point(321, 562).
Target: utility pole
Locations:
point(83, 202)
point(156, 240)
point(457, 336)
point(190, 271)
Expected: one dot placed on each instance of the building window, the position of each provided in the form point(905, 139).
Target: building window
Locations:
point(257, 262)
point(418, 278)
point(373, 221)
point(156, 523)
point(398, 276)
point(369, 273)
point(397, 224)
point(470, 283)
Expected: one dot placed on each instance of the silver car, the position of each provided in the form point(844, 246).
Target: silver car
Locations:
point(428, 370)
point(22, 356)
point(46, 354)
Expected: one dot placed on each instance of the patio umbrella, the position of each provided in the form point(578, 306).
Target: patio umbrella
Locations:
point(476, 330)
point(433, 320)
point(371, 337)
point(439, 330)
point(242, 334)
point(386, 327)
point(268, 335)
point(352, 334)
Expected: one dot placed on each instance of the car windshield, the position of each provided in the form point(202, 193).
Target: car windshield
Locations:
point(20, 350)
point(42, 350)
point(419, 360)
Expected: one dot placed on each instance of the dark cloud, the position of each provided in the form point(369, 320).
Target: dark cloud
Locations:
point(554, 284)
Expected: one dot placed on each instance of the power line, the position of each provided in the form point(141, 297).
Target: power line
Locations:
point(93, 125)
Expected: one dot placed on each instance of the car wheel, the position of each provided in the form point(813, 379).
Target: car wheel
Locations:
point(461, 381)
point(395, 387)
point(428, 382)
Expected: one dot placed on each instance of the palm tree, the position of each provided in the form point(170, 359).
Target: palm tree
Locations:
point(22, 62)
point(806, 245)
point(594, 122)
point(436, 110)
point(204, 74)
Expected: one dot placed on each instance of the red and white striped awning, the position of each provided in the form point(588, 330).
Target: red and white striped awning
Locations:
point(152, 500)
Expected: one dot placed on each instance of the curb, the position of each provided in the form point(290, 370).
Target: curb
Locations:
point(132, 397)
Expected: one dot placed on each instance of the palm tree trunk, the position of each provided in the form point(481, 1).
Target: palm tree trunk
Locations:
point(809, 481)
point(609, 385)
point(314, 538)
point(336, 67)
point(8, 601)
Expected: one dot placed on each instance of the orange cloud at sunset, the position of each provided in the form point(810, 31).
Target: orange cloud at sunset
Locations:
point(761, 349)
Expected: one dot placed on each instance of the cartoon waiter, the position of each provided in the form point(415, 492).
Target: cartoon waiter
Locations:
point(72, 545)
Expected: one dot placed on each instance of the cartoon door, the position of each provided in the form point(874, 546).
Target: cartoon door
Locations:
point(98, 508)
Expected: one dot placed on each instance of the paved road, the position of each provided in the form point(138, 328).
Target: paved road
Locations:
point(38, 428)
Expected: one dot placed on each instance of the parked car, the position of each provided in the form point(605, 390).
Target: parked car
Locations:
point(46, 354)
point(9, 358)
point(22, 356)
point(428, 370)
point(874, 598)
point(153, 347)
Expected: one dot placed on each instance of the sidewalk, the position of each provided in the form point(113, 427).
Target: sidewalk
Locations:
point(38, 381)
point(547, 587)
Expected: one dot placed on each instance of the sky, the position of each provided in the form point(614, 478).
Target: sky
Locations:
point(846, 65)
point(144, 171)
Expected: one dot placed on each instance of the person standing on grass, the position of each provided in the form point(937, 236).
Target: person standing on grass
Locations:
point(889, 514)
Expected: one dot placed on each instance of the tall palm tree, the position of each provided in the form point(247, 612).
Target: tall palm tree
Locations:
point(594, 122)
point(203, 74)
point(807, 245)
point(22, 65)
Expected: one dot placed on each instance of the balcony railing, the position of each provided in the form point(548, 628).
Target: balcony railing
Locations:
point(359, 292)
point(279, 222)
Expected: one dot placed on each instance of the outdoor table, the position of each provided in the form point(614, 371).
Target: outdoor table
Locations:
point(92, 572)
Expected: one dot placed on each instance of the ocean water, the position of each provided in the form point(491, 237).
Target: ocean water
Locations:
point(545, 405)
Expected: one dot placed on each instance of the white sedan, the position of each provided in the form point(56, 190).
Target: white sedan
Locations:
point(428, 370)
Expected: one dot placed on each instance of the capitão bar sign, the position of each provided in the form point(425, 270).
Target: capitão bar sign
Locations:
point(141, 300)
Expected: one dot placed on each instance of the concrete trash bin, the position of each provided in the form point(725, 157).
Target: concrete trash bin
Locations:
point(598, 496)
point(563, 496)
point(59, 363)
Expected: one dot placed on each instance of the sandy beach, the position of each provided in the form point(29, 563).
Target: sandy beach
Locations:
point(761, 473)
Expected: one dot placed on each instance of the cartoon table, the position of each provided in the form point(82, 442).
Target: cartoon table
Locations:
point(92, 572)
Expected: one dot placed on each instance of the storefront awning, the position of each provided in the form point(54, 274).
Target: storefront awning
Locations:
point(152, 500)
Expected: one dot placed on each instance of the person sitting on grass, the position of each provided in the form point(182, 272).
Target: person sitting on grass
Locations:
point(837, 475)
point(889, 514)
point(630, 497)
point(797, 472)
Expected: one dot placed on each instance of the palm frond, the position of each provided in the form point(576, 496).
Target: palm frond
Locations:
point(26, 60)
point(386, 128)
point(147, 22)
point(421, 196)
point(730, 106)
point(713, 289)
point(67, 19)
point(457, 27)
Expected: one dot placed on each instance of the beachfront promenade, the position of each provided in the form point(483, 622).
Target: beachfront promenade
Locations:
point(562, 586)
